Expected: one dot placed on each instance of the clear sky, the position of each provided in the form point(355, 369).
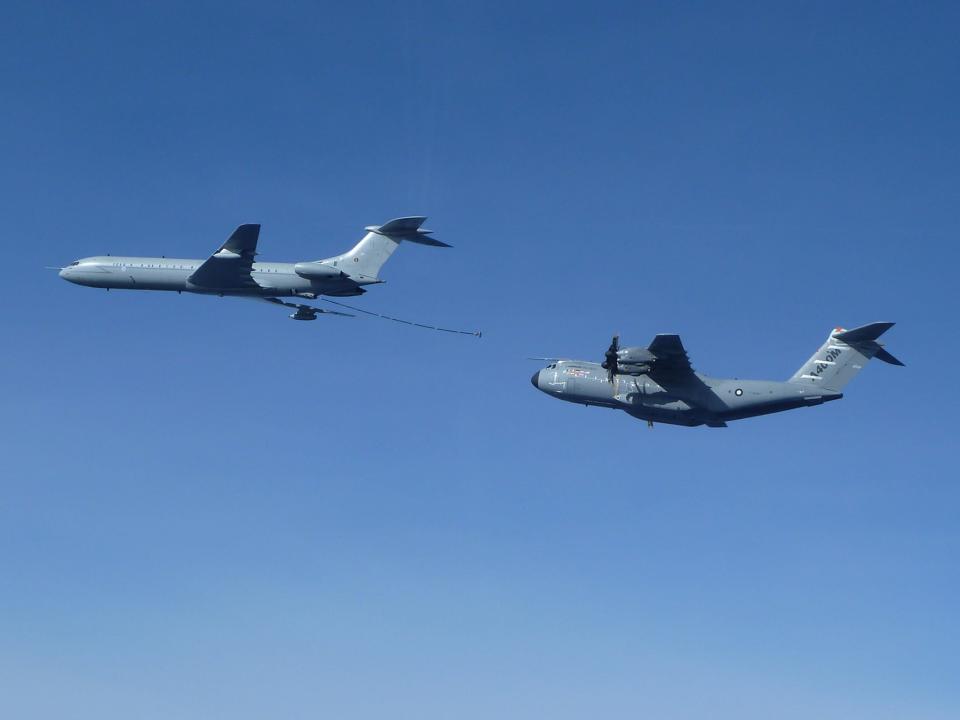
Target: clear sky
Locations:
point(210, 511)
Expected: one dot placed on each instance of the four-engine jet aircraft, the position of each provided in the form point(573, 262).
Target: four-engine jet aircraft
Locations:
point(657, 383)
point(231, 270)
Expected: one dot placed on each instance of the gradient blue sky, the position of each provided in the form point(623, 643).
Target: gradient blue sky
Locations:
point(207, 510)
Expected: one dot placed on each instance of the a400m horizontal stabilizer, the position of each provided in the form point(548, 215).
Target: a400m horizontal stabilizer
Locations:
point(863, 333)
point(868, 334)
point(882, 354)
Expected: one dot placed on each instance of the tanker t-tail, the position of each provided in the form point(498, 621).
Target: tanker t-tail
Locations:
point(658, 384)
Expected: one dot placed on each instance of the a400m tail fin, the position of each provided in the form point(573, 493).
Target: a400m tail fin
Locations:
point(364, 261)
point(843, 355)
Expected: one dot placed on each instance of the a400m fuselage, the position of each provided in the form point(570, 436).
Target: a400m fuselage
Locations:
point(695, 400)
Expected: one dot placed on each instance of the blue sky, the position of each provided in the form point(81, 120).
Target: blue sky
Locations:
point(207, 510)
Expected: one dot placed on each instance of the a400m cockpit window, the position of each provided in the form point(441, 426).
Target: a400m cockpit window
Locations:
point(75, 262)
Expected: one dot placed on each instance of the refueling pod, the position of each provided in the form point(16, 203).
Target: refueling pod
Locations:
point(304, 313)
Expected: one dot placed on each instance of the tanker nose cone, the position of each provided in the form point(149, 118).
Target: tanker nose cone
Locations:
point(535, 380)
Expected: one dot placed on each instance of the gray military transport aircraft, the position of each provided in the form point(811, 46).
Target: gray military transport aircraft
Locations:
point(231, 270)
point(657, 383)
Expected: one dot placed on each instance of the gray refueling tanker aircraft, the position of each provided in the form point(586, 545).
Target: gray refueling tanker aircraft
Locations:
point(231, 270)
point(657, 383)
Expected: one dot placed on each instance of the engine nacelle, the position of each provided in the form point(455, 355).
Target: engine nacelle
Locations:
point(317, 271)
point(635, 360)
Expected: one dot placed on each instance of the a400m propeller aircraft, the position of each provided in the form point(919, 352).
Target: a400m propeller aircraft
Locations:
point(657, 383)
point(231, 270)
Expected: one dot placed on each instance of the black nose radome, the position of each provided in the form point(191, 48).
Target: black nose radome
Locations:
point(533, 380)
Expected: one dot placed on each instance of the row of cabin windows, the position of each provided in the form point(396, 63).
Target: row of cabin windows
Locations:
point(152, 265)
point(179, 267)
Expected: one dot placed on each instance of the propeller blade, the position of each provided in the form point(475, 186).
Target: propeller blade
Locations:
point(610, 358)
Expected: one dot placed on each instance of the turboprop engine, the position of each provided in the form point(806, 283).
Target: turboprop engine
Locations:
point(628, 361)
point(635, 361)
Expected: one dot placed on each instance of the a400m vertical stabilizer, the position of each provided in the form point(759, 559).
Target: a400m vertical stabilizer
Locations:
point(364, 261)
point(843, 355)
